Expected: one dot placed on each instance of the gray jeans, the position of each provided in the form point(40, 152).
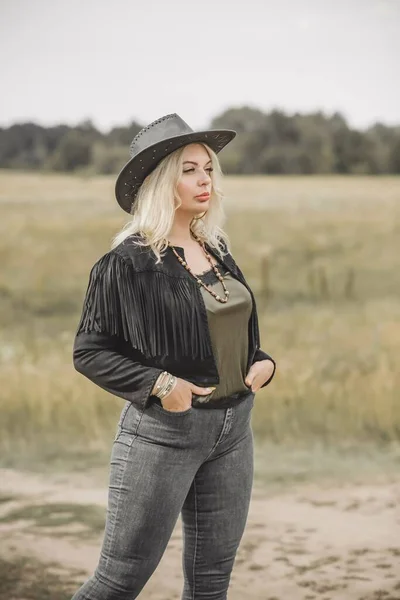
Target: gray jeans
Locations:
point(197, 462)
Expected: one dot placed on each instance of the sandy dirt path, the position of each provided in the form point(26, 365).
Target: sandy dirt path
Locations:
point(310, 542)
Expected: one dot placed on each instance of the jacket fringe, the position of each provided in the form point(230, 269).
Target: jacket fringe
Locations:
point(151, 310)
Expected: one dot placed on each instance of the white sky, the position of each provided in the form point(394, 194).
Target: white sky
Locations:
point(112, 61)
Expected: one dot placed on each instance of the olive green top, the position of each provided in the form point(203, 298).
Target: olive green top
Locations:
point(229, 330)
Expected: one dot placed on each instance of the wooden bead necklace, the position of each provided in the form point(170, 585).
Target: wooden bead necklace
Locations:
point(199, 281)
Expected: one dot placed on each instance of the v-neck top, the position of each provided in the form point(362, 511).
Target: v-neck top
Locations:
point(228, 324)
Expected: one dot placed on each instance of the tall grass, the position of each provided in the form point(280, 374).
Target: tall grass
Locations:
point(337, 348)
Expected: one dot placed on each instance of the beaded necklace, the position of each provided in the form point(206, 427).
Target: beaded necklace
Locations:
point(199, 281)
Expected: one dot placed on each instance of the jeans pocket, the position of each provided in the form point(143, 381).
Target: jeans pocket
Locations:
point(170, 413)
point(250, 399)
point(130, 418)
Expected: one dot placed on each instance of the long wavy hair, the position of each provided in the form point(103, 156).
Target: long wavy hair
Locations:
point(153, 211)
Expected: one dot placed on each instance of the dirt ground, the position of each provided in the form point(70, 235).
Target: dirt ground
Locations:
point(308, 542)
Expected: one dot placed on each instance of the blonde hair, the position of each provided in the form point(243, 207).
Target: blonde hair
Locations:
point(157, 199)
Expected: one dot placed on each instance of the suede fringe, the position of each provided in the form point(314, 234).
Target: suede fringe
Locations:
point(154, 312)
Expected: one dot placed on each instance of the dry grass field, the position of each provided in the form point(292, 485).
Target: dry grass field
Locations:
point(323, 257)
point(328, 300)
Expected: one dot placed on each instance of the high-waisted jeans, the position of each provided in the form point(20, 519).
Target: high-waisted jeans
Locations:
point(197, 463)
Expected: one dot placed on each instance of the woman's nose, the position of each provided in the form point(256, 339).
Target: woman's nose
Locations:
point(205, 178)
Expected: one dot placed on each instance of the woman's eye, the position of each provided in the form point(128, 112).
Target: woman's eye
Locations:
point(192, 169)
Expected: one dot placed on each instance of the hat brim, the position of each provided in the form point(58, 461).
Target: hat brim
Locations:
point(137, 168)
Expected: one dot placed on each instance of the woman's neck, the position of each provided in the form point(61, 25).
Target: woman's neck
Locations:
point(180, 236)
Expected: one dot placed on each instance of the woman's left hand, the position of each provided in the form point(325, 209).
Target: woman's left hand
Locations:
point(259, 373)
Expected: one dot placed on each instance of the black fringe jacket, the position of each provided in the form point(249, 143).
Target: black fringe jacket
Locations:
point(140, 318)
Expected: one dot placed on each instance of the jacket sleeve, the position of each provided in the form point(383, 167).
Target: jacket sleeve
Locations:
point(261, 355)
point(101, 351)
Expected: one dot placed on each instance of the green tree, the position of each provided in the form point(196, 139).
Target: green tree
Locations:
point(72, 152)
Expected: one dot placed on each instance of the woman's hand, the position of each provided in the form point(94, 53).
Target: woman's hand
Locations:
point(259, 373)
point(180, 398)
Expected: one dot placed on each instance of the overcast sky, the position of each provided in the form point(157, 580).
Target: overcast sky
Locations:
point(63, 61)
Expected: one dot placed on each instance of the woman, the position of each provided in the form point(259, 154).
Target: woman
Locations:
point(169, 324)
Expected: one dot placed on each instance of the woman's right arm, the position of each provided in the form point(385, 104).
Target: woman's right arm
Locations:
point(99, 342)
point(97, 357)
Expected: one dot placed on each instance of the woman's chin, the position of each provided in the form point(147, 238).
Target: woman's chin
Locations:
point(196, 211)
point(201, 207)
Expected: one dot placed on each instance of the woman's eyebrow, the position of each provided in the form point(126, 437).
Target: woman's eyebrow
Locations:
point(194, 163)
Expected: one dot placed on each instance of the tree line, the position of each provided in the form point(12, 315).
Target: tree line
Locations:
point(267, 143)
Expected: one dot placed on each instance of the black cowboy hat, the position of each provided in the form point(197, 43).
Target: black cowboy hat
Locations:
point(152, 144)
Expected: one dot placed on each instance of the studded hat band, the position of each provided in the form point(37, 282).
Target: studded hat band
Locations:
point(152, 144)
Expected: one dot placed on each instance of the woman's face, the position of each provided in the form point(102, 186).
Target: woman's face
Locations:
point(195, 179)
